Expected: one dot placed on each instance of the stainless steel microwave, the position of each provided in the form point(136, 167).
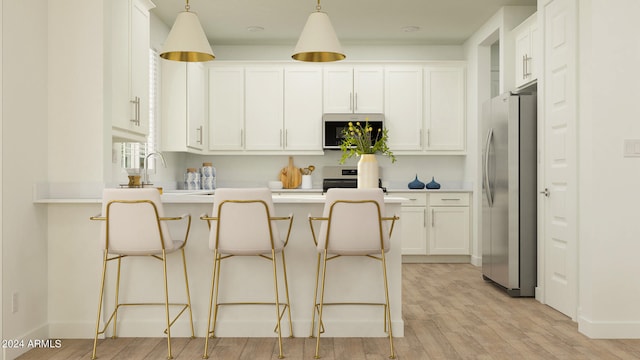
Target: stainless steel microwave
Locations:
point(334, 124)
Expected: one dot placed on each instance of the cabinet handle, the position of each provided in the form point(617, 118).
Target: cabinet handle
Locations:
point(433, 215)
point(450, 199)
point(428, 137)
point(199, 130)
point(351, 101)
point(524, 67)
point(527, 59)
point(355, 102)
point(280, 137)
point(241, 137)
point(136, 111)
point(424, 218)
point(286, 138)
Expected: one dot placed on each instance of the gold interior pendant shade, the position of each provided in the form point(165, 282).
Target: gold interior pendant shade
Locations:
point(318, 41)
point(186, 40)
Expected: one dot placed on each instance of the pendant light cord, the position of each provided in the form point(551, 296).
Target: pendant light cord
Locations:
point(318, 6)
point(187, 7)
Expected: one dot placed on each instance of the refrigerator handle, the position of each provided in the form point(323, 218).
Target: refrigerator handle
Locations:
point(486, 168)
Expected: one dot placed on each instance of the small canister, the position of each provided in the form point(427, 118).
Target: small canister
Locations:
point(207, 176)
point(192, 179)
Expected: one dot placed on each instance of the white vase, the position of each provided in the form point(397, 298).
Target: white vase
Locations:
point(368, 171)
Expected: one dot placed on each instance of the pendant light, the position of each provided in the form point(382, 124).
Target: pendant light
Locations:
point(187, 41)
point(318, 41)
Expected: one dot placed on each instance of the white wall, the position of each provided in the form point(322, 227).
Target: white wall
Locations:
point(24, 162)
point(609, 230)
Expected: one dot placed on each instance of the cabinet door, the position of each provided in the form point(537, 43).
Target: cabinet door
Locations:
point(449, 230)
point(413, 225)
point(403, 107)
point(129, 77)
point(368, 89)
point(523, 55)
point(303, 108)
point(444, 108)
point(226, 108)
point(174, 105)
point(140, 38)
point(264, 108)
point(195, 94)
point(338, 90)
point(535, 49)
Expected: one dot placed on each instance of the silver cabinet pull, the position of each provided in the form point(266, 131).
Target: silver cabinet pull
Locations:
point(433, 215)
point(450, 199)
point(241, 137)
point(524, 66)
point(199, 130)
point(424, 218)
point(351, 101)
point(280, 137)
point(428, 137)
point(545, 192)
point(286, 137)
point(136, 111)
point(355, 102)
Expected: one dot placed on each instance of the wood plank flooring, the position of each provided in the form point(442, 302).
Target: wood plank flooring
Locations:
point(449, 313)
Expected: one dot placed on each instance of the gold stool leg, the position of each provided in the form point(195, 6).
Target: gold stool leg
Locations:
point(186, 282)
point(166, 303)
point(275, 285)
point(117, 304)
point(104, 272)
point(315, 298)
point(387, 307)
point(324, 273)
point(286, 288)
point(214, 274)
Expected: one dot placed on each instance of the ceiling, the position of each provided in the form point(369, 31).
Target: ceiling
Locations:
point(440, 22)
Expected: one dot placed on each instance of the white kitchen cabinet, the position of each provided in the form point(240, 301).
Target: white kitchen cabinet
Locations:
point(303, 108)
point(226, 108)
point(449, 224)
point(264, 108)
point(129, 77)
point(444, 129)
point(183, 106)
point(403, 107)
point(527, 41)
point(413, 223)
point(358, 89)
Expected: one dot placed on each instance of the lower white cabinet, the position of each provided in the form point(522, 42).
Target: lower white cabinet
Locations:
point(435, 223)
point(413, 222)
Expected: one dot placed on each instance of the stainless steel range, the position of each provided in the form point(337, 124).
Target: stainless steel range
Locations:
point(341, 177)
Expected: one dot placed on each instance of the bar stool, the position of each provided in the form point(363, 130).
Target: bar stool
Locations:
point(242, 224)
point(352, 225)
point(134, 225)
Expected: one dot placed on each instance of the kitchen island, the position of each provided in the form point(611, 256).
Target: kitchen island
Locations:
point(75, 263)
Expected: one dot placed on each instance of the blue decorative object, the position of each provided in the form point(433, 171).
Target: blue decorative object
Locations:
point(416, 184)
point(433, 184)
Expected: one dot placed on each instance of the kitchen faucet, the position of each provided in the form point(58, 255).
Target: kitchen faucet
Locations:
point(145, 180)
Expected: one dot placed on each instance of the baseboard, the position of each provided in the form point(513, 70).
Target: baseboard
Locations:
point(609, 329)
point(38, 337)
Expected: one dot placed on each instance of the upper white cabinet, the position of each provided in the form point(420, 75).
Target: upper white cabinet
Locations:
point(183, 106)
point(527, 42)
point(303, 108)
point(130, 69)
point(226, 108)
point(264, 108)
point(444, 109)
point(358, 89)
point(403, 110)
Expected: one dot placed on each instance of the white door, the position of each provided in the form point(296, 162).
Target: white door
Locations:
point(559, 235)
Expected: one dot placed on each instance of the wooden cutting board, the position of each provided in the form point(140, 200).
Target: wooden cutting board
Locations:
point(290, 176)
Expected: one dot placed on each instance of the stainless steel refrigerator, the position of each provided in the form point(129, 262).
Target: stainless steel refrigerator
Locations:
point(509, 193)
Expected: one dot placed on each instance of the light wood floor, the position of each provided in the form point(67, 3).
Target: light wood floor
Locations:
point(449, 313)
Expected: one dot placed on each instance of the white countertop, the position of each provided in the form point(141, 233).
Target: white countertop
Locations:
point(91, 194)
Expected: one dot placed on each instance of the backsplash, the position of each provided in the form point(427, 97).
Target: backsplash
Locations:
point(257, 170)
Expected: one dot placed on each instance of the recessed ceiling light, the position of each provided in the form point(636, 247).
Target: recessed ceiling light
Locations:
point(255, 28)
point(410, 28)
